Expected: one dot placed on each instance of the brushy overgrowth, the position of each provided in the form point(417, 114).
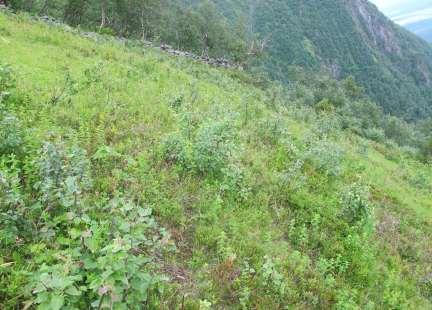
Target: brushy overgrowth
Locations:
point(103, 261)
point(11, 137)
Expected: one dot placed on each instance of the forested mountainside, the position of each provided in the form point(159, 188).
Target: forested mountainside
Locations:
point(132, 179)
point(346, 37)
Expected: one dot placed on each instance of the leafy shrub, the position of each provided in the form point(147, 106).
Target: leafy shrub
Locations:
point(7, 80)
point(64, 174)
point(360, 115)
point(346, 300)
point(208, 150)
point(271, 129)
point(420, 177)
point(293, 177)
point(234, 181)
point(80, 259)
point(189, 121)
point(327, 125)
point(106, 263)
point(177, 102)
point(356, 208)
point(399, 131)
point(374, 134)
point(325, 157)
point(9, 183)
point(426, 149)
point(10, 133)
point(174, 150)
point(273, 280)
point(11, 200)
point(328, 92)
point(302, 95)
point(212, 148)
point(325, 105)
point(105, 153)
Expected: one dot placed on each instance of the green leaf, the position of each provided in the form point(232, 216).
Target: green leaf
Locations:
point(73, 291)
point(75, 233)
point(57, 301)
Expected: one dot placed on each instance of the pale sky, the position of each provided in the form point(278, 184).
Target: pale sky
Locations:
point(406, 12)
point(388, 4)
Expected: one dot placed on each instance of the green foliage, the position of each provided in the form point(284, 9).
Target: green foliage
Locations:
point(6, 79)
point(11, 201)
point(64, 175)
point(175, 150)
point(213, 147)
point(208, 150)
point(103, 266)
point(272, 279)
point(356, 208)
point(102, 261)
point(11, 136)
point(272, 130)
point(155, 182)
point(326, 157)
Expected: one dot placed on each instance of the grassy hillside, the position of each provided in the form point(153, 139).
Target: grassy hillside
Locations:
point(131, 179)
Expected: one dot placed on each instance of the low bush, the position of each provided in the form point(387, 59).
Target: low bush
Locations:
point(177, 102)
point(11, 202)
point(271, 130)
point(105, 263)
point(174, 150)
point(326, 157)
point(374, 134)
point(356, 207)
point(11, 136)
point(84, 253)
point(213, 147)
point(64, 175)
point(7, 80)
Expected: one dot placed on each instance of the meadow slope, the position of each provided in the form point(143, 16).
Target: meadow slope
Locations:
point(134, 179)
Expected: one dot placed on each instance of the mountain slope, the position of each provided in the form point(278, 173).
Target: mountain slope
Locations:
point(130, 179)
point(346, 37)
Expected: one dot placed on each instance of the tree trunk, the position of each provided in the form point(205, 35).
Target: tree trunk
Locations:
point(143, 30)
point(103, 15)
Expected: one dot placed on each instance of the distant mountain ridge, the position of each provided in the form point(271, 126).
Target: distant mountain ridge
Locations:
point(343, 37)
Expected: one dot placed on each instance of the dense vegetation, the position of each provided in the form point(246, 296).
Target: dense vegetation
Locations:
point(130, 180)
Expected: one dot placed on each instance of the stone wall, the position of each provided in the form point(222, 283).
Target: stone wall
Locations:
point(217, 62)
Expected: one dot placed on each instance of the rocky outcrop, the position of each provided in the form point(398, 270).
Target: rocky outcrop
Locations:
point(378, 30)
point(218, 62)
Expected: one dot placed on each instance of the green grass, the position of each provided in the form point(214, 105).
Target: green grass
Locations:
point(243, 237)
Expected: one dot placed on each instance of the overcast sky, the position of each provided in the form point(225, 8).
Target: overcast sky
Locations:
point(406, 12)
